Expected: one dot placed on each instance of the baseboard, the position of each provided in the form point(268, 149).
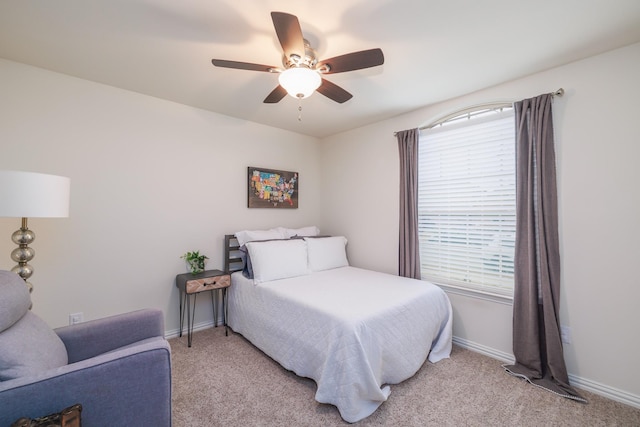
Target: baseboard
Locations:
point(482, 349)
point(579, 382)
point(173, 333)
point(605, 391)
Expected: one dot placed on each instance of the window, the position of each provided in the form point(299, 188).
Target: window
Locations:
point(466, 201)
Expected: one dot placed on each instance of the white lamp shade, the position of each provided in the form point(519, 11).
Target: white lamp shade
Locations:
point(33, 195)
point(299, 82)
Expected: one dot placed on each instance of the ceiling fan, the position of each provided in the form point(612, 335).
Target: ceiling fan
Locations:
point(301, 72)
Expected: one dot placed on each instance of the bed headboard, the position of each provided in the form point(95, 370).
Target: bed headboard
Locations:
point(232, 259)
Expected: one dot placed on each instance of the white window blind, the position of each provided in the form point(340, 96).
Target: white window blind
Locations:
point(466, 202)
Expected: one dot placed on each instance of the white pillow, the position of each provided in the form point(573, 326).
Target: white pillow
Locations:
point(278, 259)
point(326, 253)
point(300, 232)
point(245, 236)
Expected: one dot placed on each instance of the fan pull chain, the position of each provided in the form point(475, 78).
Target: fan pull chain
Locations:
point(299, 108)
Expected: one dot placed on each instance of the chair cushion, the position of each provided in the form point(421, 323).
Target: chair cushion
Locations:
point(14, 299)
point(27, 344)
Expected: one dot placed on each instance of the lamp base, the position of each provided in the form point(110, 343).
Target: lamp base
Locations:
point(23, 253)
point(28, 284)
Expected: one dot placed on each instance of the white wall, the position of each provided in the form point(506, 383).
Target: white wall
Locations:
point(150, 180)
point(597, 154)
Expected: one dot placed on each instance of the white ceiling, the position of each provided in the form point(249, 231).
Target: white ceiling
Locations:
point(434, 49)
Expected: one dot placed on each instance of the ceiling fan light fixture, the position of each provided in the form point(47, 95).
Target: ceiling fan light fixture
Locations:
point(301, 73)
point(299, 82)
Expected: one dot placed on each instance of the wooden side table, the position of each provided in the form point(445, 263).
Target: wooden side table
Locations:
point(192, 284)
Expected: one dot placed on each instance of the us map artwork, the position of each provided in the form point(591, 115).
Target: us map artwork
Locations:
point(272, 188)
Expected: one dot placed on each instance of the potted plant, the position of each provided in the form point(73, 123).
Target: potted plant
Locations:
point(195, 261)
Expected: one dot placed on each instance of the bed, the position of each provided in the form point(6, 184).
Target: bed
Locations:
point(354, 332)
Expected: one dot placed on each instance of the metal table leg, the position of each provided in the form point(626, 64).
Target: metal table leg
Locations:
point(214, 301)
point(181, 312)
point(225, 308)
point(190, 317)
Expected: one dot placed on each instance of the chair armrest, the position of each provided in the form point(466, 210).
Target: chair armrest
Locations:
point(130, 386)
point(95, 337)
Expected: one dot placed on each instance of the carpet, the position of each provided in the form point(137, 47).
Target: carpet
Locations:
point(226, 381)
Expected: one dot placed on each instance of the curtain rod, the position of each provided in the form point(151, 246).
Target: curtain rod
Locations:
point(559, 92)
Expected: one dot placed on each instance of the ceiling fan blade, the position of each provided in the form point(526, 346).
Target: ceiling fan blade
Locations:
point(352, 61)
point(289, 33)
point(276, 95)
point(243, 65)
point(334, 92)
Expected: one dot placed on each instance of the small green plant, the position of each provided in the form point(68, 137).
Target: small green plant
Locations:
point(195, 261)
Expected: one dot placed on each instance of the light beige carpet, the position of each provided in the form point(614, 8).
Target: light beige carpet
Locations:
point(226, 381)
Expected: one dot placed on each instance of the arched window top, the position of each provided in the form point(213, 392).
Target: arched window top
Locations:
point(477, 112)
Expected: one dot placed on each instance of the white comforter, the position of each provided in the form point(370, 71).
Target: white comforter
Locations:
point(353, 331)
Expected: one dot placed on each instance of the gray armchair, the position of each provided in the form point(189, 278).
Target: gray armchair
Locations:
point(118, 368)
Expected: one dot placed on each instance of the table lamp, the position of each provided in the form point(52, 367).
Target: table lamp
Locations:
point(35, 195)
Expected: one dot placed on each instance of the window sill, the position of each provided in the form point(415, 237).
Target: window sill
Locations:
point(472, 293)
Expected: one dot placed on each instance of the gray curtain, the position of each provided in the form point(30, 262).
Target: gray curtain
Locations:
point(409, 254)
point(537, 345)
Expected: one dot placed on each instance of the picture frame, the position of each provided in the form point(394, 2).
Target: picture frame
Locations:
point(271, 188)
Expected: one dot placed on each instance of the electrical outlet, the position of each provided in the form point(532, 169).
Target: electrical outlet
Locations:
point(565, 334)
point(75, 318)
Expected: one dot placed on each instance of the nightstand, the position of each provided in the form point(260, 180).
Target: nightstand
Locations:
point(192, 284)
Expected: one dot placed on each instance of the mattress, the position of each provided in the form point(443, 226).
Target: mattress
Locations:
point(353, 331)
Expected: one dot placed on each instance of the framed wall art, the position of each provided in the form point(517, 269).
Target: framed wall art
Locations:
point(268, 188)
